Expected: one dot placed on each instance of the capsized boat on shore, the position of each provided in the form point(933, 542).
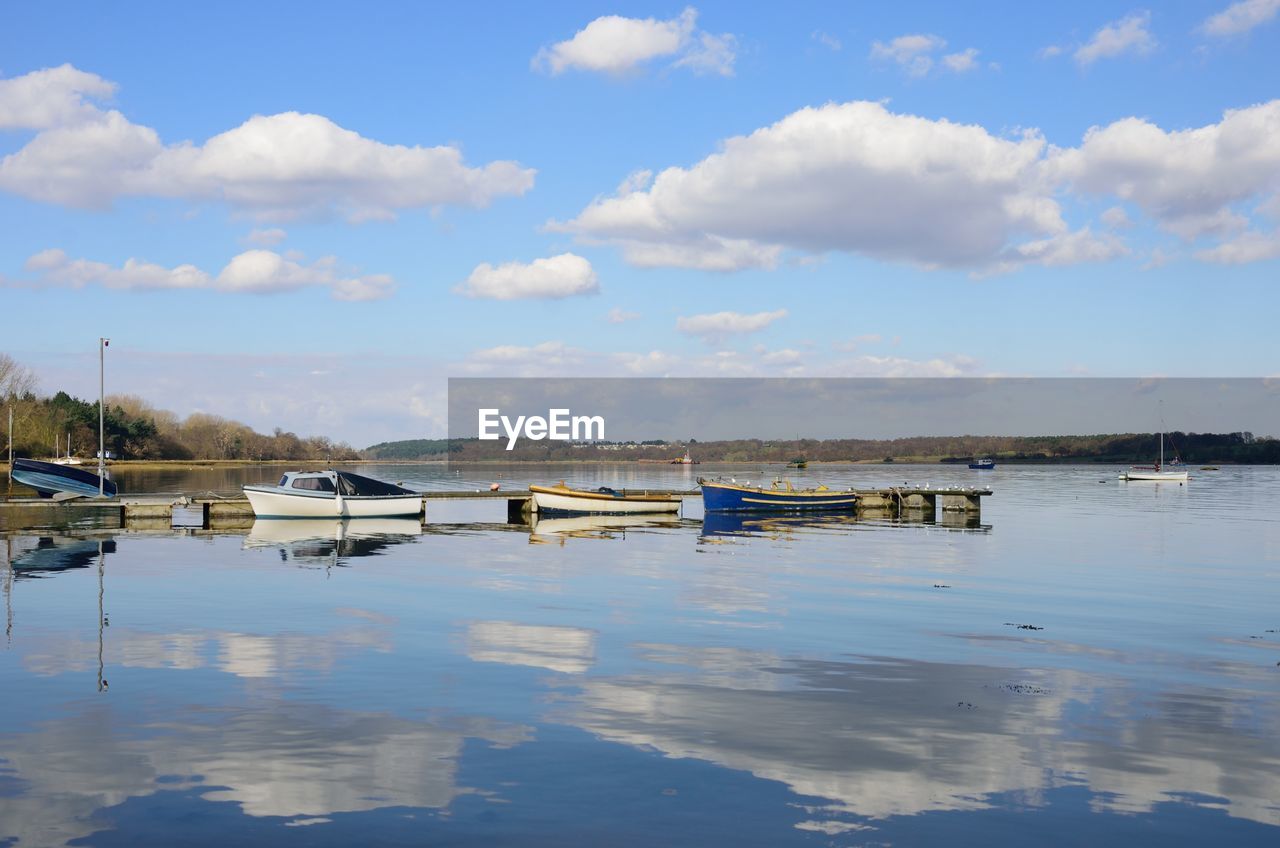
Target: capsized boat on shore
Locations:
point(721, 496)
point(603, 501)
point(51, 480)
point(332, 494)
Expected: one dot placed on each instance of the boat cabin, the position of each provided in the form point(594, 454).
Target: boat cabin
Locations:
point(332, 482)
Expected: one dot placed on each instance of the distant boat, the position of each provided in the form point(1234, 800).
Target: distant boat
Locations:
point(983, 464)
point(719, 496)
point(1155, 473)
point(798, 462)
point(603, 501)
point(685, 460)
point(65, 460)
point(332, 494)
point(51, 480)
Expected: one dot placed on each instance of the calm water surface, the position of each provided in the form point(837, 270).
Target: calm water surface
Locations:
point(1092, 662)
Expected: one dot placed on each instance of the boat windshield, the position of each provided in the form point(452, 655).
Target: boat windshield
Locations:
point(314, 484)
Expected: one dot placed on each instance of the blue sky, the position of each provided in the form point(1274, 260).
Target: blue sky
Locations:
point(310, 215)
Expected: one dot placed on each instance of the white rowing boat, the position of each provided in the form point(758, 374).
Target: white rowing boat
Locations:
point(603, 501)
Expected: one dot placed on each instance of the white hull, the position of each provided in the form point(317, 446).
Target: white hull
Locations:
point(549, 502)
point(271, 502)
point(1156, 476)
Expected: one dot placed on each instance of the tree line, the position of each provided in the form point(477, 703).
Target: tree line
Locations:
point(1125, 448)
point(134, 429)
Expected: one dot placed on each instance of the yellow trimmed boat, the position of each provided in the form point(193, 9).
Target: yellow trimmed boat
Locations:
point(603, 501)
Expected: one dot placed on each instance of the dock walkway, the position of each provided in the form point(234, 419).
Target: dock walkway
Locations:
point(210, 511)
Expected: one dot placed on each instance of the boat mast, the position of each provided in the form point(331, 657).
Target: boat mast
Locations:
point(102, 418)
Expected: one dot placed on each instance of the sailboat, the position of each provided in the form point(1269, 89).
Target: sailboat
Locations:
point(1156, 473)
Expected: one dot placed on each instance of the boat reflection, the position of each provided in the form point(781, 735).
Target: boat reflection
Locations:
point(731, 524)
point(34, 557)
point(326, 541)
point(544, 530)
point(747, 524)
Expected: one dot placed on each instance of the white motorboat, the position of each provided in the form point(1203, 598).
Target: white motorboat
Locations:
point(603, 501)
point(332, 494)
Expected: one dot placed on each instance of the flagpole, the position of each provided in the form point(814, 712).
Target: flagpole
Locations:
point(102, 418)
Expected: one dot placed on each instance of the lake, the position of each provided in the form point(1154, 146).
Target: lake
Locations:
point(1090, 662)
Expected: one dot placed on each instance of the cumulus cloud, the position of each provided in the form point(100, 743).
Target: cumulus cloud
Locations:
point(554, 277)
point(251, 272)
point(1188, 180)
point(857, 178)
point(50, 97)
point(1127, 35)
point(1240, 17)
point(1066, 249)
point(715, 326)
point(912, 52)
point(272, 166)
point(915, 54)
point(53, 267)
point(847, 177)
point(615, 45)
point(1250, 246)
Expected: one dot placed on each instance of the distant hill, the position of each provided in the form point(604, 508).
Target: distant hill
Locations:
point(1123, 448)
point(408, 449)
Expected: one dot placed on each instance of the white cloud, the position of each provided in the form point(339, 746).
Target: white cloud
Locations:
point(715, 326)
point(1241, 17)
point(272, 166)
point(1067, 249)
point(616, 45)
point(1049, 52)
point(55, 268)
point(551, 357)
point(848, 177)
point(618, 315)
point(50, 97)
point(1250, 246)
point(915, 54)
point(254, 272)
point(711, 54)
point(554, 277)
point(1127, 35)
point(961, 62)
point(909, 51)
point(1188, 180)
point(266, 237)
point(1116, 218)
point(826, 40)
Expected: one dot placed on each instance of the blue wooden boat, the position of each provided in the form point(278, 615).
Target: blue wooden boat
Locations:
point(719, 496)
point(50, 479)
point(983, 464)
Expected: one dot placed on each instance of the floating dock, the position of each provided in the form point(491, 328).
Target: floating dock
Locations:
point(210, 512)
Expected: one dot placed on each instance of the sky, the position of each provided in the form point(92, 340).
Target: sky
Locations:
point(311, 215)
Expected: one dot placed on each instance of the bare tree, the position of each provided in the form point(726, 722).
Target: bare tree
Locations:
point(16, 379)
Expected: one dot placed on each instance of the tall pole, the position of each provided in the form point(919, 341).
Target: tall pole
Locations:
point(102, 418)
